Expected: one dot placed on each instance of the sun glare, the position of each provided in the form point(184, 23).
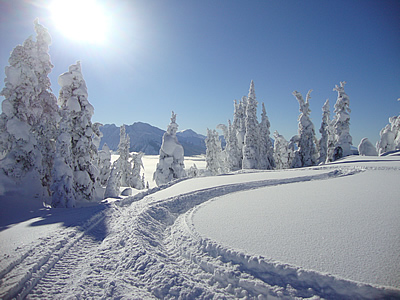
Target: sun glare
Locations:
point(81, 20)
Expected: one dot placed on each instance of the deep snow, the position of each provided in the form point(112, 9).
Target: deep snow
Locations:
point(149, 246)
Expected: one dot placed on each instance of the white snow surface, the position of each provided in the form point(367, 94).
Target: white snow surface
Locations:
point(282, 225)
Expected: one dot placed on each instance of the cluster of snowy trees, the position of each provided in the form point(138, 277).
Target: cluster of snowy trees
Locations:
point(51, 143)
point(249, 145)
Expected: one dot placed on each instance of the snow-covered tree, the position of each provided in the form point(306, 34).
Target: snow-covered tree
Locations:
point(124, 157)
point(114, 182)
point(250, 148)
point(233, 152)
point(104, 164)
point(366, 148)
point(324, 130)
point(73, 100)
point(215, 163)
point(137, 181)
point(390, 136)
point(283, 155)
point(386, 142)
point(266, 159)
point(30, 112)
point(238, 127)
point(171, 161)
point(305, 155)
point(63, 174)
point(341, 123)
point(193, 171)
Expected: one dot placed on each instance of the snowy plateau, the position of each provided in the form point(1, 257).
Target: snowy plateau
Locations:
point(330, 231)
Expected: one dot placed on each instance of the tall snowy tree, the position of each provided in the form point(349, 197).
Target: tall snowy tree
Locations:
point(266, 159)
point(341, 124)
point(324, 130)
point(30, 112)
point(283, 155)
point(63, 174)
point(238, 129)
point(215, 163)
point(250, 148)
point(73, 99)
point(232, 152)
point(171, 162)
point(124, 157)
point(305, 155)
point(104, 164)
point(137, 181)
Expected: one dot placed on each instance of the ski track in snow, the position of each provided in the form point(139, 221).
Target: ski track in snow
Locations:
point(146, 246)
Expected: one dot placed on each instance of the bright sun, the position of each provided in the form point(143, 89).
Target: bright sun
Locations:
point(81, 20)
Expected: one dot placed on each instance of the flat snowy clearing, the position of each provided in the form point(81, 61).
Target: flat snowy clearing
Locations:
point(155, 244)
point(346, 226)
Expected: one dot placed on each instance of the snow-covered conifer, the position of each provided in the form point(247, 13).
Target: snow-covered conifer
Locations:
point(366, 148)
point(250, 148)
point(386, 142)
point(266, 159)
point(73, 99)
point(324, 130)
point(114, 182)
point(171, 161)
point(341, 123)
point(63, 174)
point(30, 112)
point(124, 157)
point(390, 136)
point(283, 155)
point(305, 155)
point(193, 171)
point(214, 157)
point(104, 164)
point(232, 151)
point(137, 181)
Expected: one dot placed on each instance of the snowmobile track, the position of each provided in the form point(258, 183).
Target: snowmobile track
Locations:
point(22, 275)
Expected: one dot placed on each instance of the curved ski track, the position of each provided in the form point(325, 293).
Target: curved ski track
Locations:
point(151, 249)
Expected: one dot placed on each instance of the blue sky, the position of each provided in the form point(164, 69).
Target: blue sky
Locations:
point(196, 57)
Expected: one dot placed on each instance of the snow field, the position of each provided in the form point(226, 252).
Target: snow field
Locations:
point(347, 226)
point(146, 246)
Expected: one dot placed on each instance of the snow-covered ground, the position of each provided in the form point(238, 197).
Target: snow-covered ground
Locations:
point(326, 232)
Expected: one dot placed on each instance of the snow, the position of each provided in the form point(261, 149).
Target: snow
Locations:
point(152, 244)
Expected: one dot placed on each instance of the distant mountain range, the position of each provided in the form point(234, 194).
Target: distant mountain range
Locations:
point(147, 138)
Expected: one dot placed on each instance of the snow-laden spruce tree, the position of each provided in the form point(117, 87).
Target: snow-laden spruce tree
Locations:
point(389, 136)
point(171, 161)
point(250, 148)
point(215, 162)
point(341, 124)
point(233, 153)
point(266, 159)
point(239, 127)
point(104, 164)
point(29, 112)
point(124, 158)
point(365, 148)
point(63, 185)
point(73, 100)
point(114, 181)
point(283, 155)
point(305, 155)
point(137, 181)
point(324, 130)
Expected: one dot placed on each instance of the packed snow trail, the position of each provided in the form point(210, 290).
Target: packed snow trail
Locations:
point(144, 247)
